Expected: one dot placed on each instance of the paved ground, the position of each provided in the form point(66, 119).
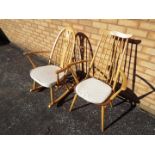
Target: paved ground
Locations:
point(22, 112)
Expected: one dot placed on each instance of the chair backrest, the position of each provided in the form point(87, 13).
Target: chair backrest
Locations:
point(63, 48)
point(108, 56)
point(82, 51)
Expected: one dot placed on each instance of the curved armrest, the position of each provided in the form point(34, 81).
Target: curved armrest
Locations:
point(68, 67)
point(35, 52)
point(27, 54)
point(77, 62)
point(62, 70)
point(123, 86)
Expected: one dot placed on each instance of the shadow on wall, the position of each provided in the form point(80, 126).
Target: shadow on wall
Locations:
point(130, 94)
point(150, 85)
point(130, 63)
point(3, 38)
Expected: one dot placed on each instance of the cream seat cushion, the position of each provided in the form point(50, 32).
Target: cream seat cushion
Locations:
point(46, 75)
point(93, 90)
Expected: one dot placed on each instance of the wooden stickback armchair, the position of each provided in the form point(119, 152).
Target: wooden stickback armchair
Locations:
point(100, 88)
point(54, 73)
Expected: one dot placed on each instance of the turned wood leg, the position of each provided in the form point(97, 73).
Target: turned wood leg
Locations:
point(33, 86)
point(102, 118)
point(51, 97)
point(73, 102)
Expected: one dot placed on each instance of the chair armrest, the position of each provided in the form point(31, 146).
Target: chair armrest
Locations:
point(35, 52)
point(28, 55)
point(123, 85)
point(70, 65)
point(62, 70)
point(77, 62)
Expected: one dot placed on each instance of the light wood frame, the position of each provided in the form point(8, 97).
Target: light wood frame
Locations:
point(109, 68)
point(60, 55)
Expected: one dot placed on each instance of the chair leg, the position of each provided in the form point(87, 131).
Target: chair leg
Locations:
point(52, 97)
point(33, 86)
point(102, 118)
point(73, 102)
point(36, 88)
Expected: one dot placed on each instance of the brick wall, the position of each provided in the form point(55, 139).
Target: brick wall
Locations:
point(40, 34)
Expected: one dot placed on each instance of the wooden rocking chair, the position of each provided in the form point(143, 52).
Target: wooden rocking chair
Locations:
point(100, 88)
point(54, 74)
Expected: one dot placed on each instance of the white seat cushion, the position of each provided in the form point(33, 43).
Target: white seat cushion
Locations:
point(45, 75)
point(93, 90)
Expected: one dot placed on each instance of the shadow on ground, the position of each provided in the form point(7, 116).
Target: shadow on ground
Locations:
point(24, 113)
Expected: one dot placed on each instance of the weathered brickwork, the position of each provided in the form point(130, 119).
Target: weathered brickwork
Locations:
point(40, 34)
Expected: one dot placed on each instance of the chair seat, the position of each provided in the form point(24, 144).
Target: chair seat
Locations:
point(93, 90)
point(46, 75)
